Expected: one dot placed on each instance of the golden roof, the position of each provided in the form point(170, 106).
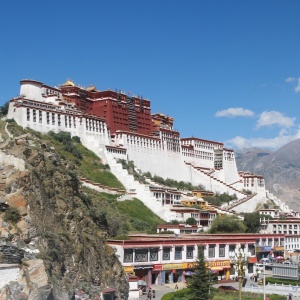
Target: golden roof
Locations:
point(69, 83)
point(91, 88)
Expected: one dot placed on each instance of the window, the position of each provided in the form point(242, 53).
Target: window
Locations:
point(141, 255)
point(251, 249)
point(222, 251)
point(48, 117)
point(153, 254)
point(189, 252)
point(178, 253)
point(40, 117)
point(34, 115)
point(128, 255)
point(28, 114)
point(211, 251)
point(166, 253)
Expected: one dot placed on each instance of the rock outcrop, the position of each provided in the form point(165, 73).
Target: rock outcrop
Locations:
point(59, 241)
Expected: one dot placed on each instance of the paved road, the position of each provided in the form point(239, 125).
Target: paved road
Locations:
point(162, 290)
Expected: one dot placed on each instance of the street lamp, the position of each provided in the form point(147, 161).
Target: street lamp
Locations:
point(239, 259)
point(263, 273)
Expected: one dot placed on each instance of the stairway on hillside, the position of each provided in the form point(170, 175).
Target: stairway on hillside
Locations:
point(135, 188)
point(208, 174)
point(238, 202)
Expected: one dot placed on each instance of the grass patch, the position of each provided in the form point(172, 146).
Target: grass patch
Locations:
point(140, 217)
point(282, 281)
point(87, 163)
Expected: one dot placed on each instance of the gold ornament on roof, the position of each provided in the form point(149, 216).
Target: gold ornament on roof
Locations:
point(69, 82)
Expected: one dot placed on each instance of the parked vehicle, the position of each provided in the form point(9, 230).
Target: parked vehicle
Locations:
point(264, 260)
point(227, 288)
point(259, 267)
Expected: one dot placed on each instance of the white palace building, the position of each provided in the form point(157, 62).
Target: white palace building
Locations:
point(116, 126)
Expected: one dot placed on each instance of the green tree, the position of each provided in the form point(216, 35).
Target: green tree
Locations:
point(174, 222)
point(227, 224)
point(191, 221)
point(199, 283)
point(251, 220)
point(4, 109)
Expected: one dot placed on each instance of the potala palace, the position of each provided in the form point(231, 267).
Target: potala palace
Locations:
point(116, 126)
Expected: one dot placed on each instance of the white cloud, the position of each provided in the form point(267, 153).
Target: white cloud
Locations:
point(240, 142)
point(290, 79)
point(234, 112)
point(297, 88)
point(269, 118)
point(293, 79)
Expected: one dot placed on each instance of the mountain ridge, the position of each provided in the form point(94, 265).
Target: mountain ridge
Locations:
point(280, 169)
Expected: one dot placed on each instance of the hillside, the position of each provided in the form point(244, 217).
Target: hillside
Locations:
point(63, 225)
point(281, 170)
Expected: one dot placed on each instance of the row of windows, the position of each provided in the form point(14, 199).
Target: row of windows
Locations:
point(163, 196)
point(117, 151)
point(202, 144)
point(285, 232)
point(190, 154)
point(37, 104)
point(145, 144)
point(269, 242)
point(289, 240)
point(52, 92)
point(152, 254)
point(69, 121)
point(292, 246)
point(290, 226)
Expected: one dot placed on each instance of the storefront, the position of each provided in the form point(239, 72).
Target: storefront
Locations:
point(263, 252)
point(172, 273)
point(220, 267)
point(251, 262)
point(143, 272)
point(277, 251)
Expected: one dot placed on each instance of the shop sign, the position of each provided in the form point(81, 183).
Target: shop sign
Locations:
point(263, 249)
point(278, 248)
point(252, 260)
point(157, 267)
point(174, 266)
point(190, 265)
point(218, 263)
point(128, 269)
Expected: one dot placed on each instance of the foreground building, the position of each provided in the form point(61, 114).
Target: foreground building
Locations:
point(166, 258)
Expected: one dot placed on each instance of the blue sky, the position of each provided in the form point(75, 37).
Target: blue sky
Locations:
point(227, 71)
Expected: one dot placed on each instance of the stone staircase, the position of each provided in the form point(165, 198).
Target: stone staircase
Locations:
point(136, 189)
point(235, 203)
point(218, 181)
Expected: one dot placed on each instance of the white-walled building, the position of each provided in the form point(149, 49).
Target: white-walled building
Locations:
point(158, 149)
point(165, 258)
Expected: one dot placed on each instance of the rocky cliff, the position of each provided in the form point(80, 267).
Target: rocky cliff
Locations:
point(53, 229)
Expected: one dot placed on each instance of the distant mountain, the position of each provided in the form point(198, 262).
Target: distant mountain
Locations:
point(281, 170)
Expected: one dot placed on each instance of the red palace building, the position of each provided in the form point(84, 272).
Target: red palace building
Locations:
point(120, 111)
